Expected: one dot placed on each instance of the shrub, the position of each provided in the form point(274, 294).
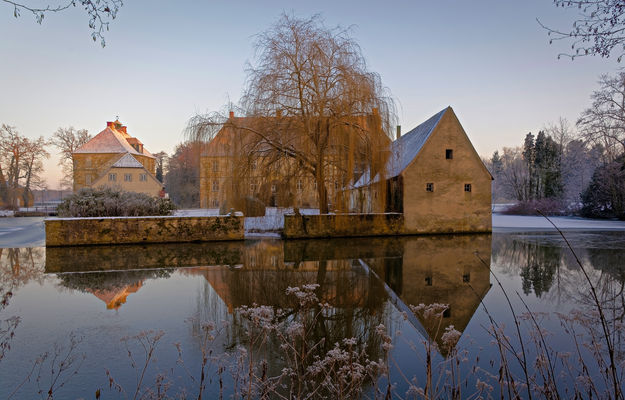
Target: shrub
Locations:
point(546, 206)
point(107, 202)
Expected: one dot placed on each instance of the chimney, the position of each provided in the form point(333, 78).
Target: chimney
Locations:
point(398, 132)
point(279, 113)
point(110, 124)
point(123, 129)
point(231, 114)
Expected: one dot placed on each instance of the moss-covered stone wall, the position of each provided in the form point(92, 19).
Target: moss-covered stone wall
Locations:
point(126, 230)
point(342, 225)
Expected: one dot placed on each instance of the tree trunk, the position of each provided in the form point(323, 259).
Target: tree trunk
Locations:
point(322, 192)
point(4, 190)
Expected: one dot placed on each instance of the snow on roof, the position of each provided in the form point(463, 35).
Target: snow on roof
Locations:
point(107, 141)
point(127, 161)
point(405, 149)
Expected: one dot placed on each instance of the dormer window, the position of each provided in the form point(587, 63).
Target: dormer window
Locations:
point(449, 154)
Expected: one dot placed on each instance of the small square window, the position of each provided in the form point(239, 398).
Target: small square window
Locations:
point(449, 154)
point(112, 177)
point(429, 187)
point(273, 188)
point(300, 185)
point(467, 187)
point(143, 177)
point(215, 186)
point(466, 277)
point(88, 179)
point(447, 313)
point(215, 166)
point(253, 164)
point(215, 203)
point(127, 177)
point(253, 187)
point(428, 281)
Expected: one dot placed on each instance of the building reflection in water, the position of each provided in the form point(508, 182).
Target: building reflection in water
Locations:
point(356, 277)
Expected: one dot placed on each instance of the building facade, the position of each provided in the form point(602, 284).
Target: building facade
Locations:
point(117, 160)
point(434, 177)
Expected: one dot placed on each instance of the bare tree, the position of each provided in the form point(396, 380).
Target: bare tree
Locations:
point(183, 183)
point(514, 174)
point(100, 12)
point(603, 122)
point(311, 106)
point(34, 154)
point(599, 29)
point(12, 150)
point(68, 140)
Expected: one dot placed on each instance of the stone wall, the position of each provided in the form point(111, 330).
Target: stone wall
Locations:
point(342, 225)
point(126, 230)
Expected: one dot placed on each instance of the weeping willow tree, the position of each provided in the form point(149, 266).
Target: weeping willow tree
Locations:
point(311, 108)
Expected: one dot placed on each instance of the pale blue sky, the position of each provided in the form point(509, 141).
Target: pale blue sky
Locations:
point(166, 60)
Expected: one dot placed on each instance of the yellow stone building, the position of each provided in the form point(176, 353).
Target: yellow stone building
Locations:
point(228, 169)
point(434, 177)
point(117, 160)
point(232, 166)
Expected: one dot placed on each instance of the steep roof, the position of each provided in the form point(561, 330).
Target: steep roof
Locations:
point(107, 141)
point(127, 161)
point(111, 141)
point(405, 149)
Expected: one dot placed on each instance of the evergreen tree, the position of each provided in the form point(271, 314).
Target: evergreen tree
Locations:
point(605, 196)
point(529, 155)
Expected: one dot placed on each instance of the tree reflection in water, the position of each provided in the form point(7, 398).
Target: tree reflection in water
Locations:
point(360, 283)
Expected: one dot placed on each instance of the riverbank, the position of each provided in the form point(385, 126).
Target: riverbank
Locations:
point(30, 231)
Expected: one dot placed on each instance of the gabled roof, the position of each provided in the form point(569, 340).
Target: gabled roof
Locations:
point(107, 141)
point(127, 161)
point(405, 149)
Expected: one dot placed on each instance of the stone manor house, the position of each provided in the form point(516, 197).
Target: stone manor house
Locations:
point(117, 160)
point(433, 175)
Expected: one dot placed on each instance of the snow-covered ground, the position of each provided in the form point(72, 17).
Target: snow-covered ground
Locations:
point(273, 219)
point(525, 222)
point(197, 212)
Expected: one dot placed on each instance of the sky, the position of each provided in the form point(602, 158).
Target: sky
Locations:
point(165, 61)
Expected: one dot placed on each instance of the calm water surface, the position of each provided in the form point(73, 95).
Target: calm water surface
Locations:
point(100, 295)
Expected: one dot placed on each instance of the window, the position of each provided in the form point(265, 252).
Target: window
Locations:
point(449, 154)
point(336, 185)
point(88, 162)
point(112, 177)
point(127, 177)
point(215, 186)
point(429, 187)
point(215, 203)
point(215, 166)
point(273, 188)
point(253, 187)
point(253, 164)
point(143, 177)
point(447, 313)
point(428, 280)
point(300, 185)
point(467, 187)
point(87, 179)
point(466, 277)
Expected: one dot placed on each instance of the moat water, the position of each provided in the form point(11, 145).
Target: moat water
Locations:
point(108, 299)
